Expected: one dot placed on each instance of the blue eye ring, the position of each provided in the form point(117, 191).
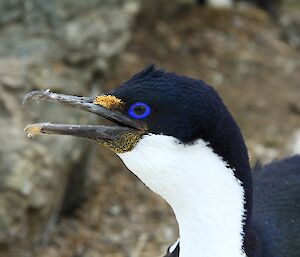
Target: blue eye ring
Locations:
point(139, 110)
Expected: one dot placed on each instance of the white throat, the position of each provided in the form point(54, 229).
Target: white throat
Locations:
point(207, 199)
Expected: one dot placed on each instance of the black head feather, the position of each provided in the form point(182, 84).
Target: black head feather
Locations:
point(186, 109)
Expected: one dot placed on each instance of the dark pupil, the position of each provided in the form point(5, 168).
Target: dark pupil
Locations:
point(139, 110)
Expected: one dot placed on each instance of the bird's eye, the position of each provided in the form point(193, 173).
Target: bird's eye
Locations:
point(139, 110)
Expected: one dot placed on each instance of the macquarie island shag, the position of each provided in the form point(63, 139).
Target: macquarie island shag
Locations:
point(178, 137)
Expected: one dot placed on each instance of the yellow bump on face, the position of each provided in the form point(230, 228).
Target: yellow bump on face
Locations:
point(108, 101)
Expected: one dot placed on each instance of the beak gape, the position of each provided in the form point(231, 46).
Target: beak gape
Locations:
point(120, 138)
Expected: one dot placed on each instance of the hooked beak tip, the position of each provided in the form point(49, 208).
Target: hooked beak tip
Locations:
point(33, 129)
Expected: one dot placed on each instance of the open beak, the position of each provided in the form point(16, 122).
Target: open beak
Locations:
point(121, 138)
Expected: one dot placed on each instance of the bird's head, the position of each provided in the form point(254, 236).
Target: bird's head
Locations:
point(152, 106)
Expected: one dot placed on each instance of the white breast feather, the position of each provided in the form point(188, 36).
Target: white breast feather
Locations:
point(207, 199)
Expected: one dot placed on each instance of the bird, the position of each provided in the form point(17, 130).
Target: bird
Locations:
point(178, 137)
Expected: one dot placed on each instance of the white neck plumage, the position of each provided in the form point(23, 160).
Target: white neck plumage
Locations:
point(207, 199)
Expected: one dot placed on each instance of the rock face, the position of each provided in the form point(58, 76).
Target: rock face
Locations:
point(64, 45)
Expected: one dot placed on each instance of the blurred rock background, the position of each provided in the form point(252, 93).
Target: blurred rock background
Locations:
point(66, 197)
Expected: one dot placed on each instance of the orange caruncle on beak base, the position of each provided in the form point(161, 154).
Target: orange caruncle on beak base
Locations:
point(109, 102)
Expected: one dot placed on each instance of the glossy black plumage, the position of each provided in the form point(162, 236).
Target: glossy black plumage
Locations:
point(276, 209)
